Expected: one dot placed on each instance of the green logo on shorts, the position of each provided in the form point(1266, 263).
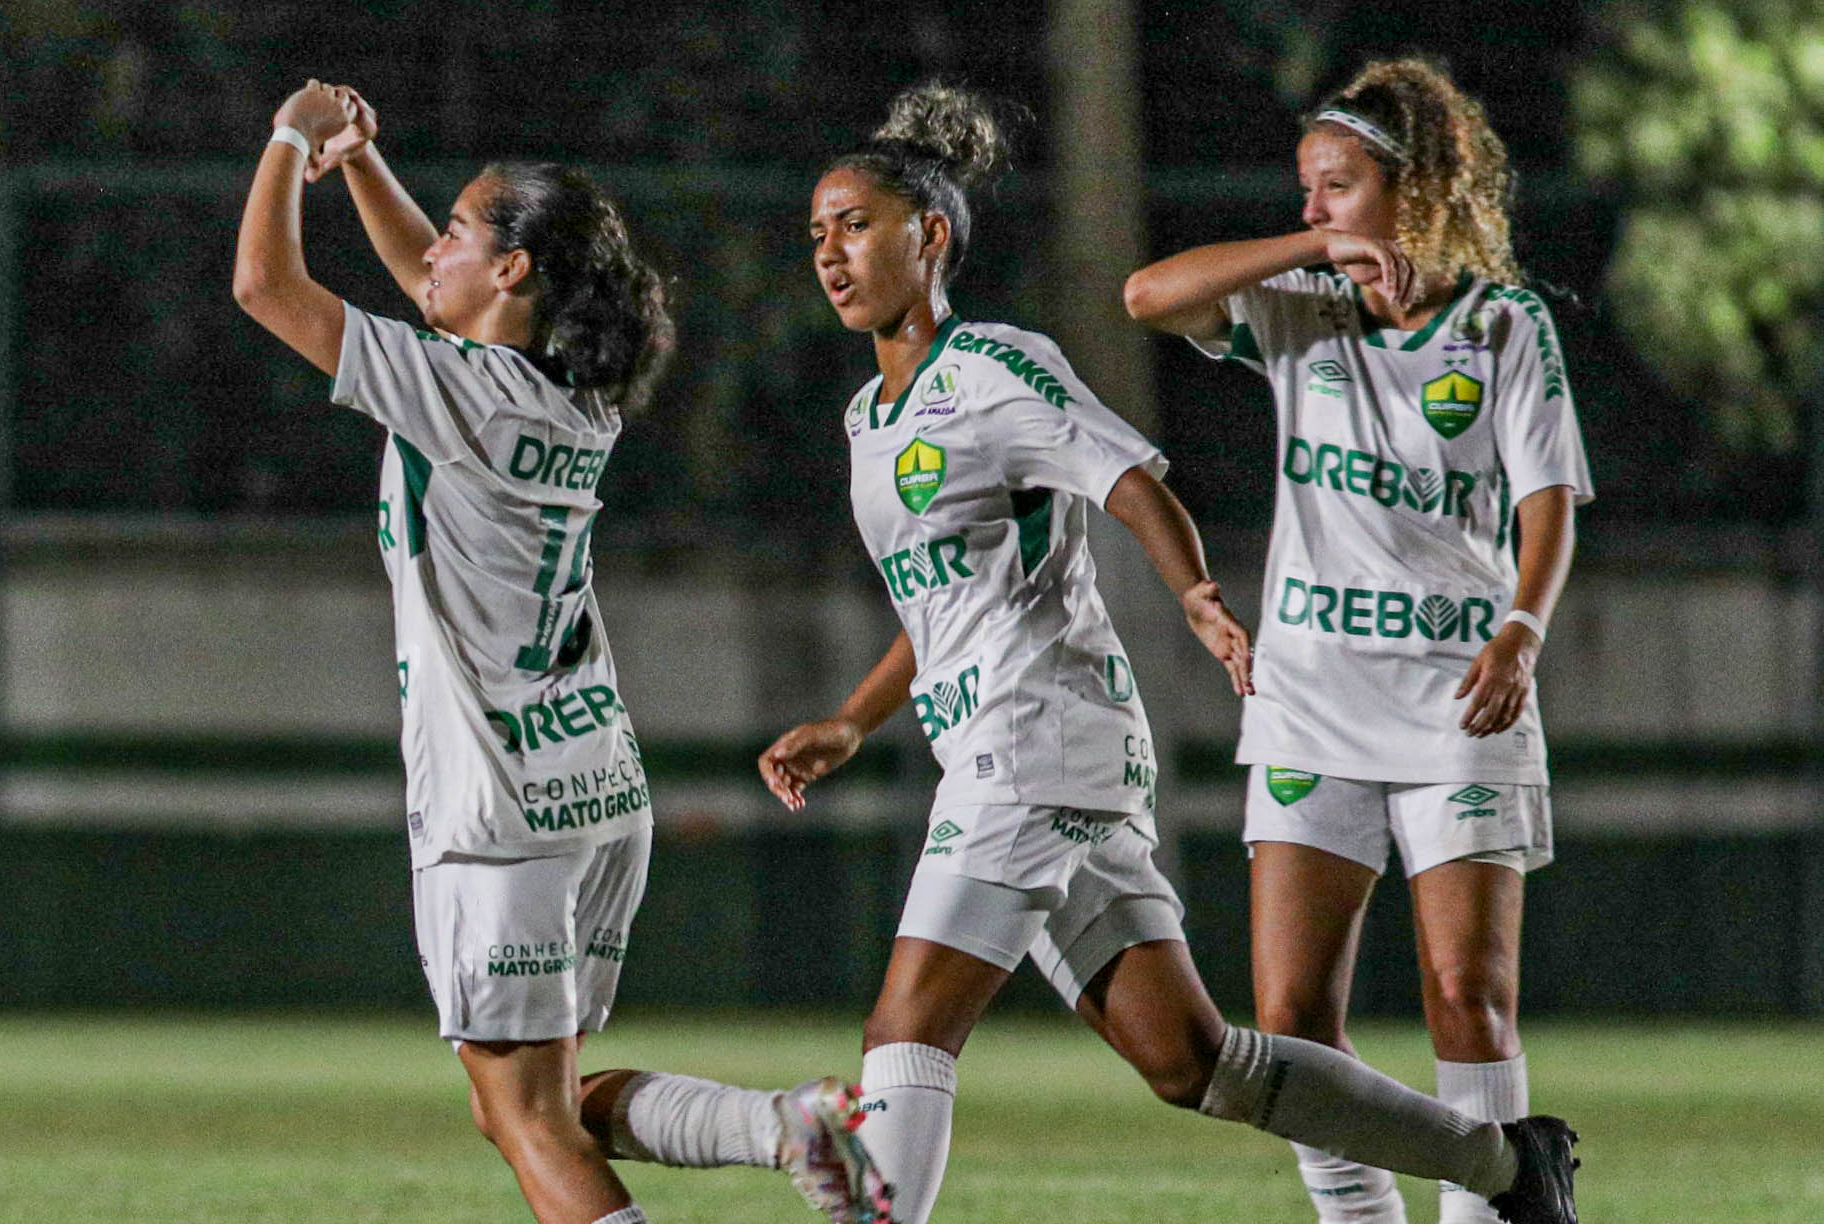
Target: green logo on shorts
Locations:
point(1120, 678)
point(941, 834)
point(1290, 785)
point(1473, 798)
point(1079, 827)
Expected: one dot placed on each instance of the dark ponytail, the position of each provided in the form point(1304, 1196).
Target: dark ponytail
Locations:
point(601, 321)
point(938, 143)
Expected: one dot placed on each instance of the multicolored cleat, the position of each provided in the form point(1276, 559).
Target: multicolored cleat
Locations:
point(819, 1148)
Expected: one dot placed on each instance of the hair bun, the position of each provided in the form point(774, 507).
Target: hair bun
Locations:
point(957, 127)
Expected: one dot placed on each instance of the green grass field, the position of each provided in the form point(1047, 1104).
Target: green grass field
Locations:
point(312, 1120)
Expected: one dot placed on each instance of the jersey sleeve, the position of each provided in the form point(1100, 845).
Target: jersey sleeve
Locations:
point(1047, 430)
point(1260, 316)
point(1536, 430)
point(415, 383)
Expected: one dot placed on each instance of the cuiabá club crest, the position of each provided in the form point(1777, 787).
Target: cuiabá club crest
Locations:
point(1451, 402)
point(918, 473)
point(1288, 786)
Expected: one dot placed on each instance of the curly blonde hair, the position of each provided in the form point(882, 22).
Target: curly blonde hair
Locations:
point(1451, 182)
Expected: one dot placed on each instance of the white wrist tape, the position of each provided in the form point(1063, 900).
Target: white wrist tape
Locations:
point(1528, 619)
point(291, 136)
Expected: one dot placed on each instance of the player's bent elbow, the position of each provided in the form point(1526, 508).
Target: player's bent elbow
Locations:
point(1152, 304)
point(246, 291)
point(252, 289)
point(267, 300)
point(1138, 296)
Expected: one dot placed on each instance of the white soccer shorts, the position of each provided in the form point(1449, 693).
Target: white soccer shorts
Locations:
point(1506, 823)
point(528, 949)
point(1070, 888)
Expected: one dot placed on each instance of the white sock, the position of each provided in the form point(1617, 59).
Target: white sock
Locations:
point(1493, 1092)
point(693, 1123)
point(1322, 1097)
point(1345, 1192)
point(630, 1214)
point(907, 1094)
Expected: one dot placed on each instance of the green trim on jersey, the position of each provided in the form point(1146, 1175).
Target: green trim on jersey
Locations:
point(1032, 511)
point(417, 471)
point(1372, 328)
point(899, 405)
point(1551, 352)
point(1502, 523)
point(1243, 346)
point(462, 343)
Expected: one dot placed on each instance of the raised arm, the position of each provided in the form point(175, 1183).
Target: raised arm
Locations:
point(811, 750)
point(1501, 675)
point(1184, 293)
point(1169, 537)
point(271, 282)
point(398, 228)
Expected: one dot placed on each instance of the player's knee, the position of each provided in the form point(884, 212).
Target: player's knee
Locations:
point(1182, 1086)
point(1177, 1076)
point(1474, 998)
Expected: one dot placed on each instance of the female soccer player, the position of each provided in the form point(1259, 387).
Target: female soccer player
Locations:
point(975, 455)
point(530, 816)
point(1423, 417)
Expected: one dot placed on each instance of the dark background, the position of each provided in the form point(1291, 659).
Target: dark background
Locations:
point(131, 130)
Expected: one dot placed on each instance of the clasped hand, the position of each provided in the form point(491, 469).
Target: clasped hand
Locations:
point(336, 120)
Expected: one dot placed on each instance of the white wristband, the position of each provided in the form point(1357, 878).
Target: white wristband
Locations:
point(292, 137)
point(1528, 619)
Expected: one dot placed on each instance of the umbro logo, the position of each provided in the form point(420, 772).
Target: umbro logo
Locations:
point(941, 834)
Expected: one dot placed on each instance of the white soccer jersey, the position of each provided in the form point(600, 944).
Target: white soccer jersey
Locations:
point(1401, 458)
point(515, 739)
point(971, 493)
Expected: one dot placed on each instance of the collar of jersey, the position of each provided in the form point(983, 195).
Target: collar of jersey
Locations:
point(937, 346)
point(1373, 333)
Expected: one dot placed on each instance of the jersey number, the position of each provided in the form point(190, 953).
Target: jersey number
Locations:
point(536, 654)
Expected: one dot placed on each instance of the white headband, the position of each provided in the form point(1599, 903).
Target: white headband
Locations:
point(1366, 130)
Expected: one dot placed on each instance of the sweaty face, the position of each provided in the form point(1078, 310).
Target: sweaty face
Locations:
point(462, 263)
point(1345, 190)
point(866, 245)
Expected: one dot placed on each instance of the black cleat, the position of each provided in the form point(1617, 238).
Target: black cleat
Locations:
point(1541, 1193)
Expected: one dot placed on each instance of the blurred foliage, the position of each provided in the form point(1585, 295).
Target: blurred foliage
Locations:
point(1710, 118)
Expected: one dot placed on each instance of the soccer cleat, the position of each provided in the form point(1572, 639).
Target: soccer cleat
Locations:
point(818, 1147)
point(1541, 1193)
